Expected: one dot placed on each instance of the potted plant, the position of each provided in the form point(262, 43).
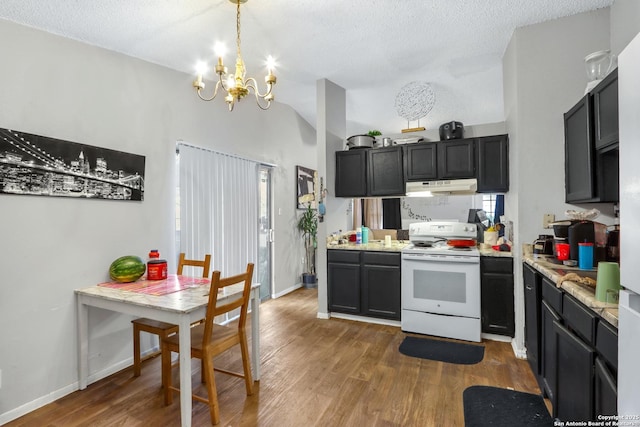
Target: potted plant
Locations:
point(308, 225)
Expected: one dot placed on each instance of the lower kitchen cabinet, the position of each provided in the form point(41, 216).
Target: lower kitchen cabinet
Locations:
point(575, 369)
point(532, 298)
point(549, 362)
point(576, 355)
point(496, 283)
point(365, 283)
point(606, 390)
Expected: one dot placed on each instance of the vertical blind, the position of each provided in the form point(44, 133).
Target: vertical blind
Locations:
point(218, 208)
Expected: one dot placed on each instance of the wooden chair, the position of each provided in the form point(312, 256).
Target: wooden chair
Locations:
point(162, 329)
point(209, 339)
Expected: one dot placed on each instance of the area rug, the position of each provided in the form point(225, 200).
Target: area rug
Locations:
point(442, 351)
point(493, 406)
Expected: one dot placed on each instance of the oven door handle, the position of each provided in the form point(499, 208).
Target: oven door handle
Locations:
point(441, 258)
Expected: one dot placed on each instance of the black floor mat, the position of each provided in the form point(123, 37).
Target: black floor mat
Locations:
point(493, 406)
point(443, 351)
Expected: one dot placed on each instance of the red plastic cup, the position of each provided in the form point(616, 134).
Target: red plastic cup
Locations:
point(562, 251)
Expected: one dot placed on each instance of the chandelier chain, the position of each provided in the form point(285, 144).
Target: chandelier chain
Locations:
point(238, 30)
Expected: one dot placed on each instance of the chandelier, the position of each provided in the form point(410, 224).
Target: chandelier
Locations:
point(236, 85)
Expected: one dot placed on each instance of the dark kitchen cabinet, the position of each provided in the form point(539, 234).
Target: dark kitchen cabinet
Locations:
point(579, 152)
point(385, 172)
point(606, 390)
point(343, 271)
point(496, 283)
point(605, 111)
point(549, 362)
point(532, 297)
point(420, 161)
point(493, 164)
point(351, 173)
point(456, 159)
point(591, 145)
point(575, 373)
point(380, 286)
point(365, 283)
point(577, 354)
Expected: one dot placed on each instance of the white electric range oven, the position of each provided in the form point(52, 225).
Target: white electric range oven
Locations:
point(441, 282)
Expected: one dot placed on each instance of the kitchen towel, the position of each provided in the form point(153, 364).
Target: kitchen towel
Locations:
point(442, 351)
point(493, 406)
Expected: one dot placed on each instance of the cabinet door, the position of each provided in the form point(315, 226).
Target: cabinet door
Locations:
point(456, 159)
point(605, 110)
point(497, 311)
point(574, 400)
point(532, 316)
point(493, 164)
point(344, 287)
point(420, 161)
point(606, 390)
point(351, 173)
point(578, 152)
point(549, 358)
point(386, 174)
point(381, 291)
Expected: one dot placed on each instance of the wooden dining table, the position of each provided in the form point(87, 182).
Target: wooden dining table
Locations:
point(180, 300)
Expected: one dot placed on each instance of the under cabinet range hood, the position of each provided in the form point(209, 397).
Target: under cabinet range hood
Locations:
point(443, 187)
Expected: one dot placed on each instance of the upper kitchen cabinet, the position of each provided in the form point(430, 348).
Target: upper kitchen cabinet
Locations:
point(591, 146)
point(364, 172)
point(351, 173)
point(605, 111)
point(386, 173)
point(420, 161)
point(579, 152)
point(493, 164)
point(456, 159)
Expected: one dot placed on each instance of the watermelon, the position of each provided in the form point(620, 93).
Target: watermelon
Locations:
point(128, 268)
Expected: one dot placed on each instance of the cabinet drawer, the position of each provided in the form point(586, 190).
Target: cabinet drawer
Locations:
point(381, 258)
point(607, 343)
point(352, 257)
point(580, 318)
point(496, 265)
point(552, 295)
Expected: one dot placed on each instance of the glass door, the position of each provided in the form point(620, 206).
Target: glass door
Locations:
point(265, 234)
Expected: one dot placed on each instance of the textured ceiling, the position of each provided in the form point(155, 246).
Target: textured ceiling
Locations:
point(372, 48)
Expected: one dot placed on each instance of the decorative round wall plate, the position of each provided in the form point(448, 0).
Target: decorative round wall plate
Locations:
point(415, 100)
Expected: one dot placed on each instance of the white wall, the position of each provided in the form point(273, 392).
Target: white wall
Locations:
point(544, 77)
point(50, 246)
point(625, 23)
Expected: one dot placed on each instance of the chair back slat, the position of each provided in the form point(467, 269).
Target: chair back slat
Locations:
point(204, 264)
point(213, 310)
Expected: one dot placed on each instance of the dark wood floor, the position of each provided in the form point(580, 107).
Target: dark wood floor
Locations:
point(314, 373)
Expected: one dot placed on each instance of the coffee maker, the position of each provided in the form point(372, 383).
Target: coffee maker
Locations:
point(613, 244)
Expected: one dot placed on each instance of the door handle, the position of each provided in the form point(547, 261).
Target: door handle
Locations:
point(529, 288)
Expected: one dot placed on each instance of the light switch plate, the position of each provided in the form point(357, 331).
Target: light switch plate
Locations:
point(548, 219)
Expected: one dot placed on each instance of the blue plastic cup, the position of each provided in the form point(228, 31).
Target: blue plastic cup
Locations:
point(585, 256)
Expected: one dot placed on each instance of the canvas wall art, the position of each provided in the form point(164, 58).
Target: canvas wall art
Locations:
point(43, 166)
point(306, 187)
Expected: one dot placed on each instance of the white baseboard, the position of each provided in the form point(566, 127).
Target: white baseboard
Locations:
point(287, 291)
point(366, 319)
point(62, 392)
point(496, 337)
point(520, 353)
point(324, 316)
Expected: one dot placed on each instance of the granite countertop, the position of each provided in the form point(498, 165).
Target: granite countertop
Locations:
point(492, 253)
point(398, 246)
point(373, 245)
point(583, 293)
